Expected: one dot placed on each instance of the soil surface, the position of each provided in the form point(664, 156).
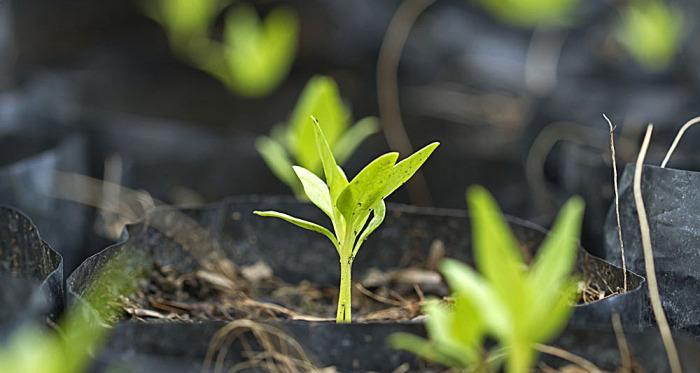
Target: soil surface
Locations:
point(227, 292)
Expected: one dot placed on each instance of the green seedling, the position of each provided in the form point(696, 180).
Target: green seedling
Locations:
point(184, 20)
point(652, 33)
point(532, 13)
point(253, 56)
point(519, 305)
point(349, 204)
point(295, 142)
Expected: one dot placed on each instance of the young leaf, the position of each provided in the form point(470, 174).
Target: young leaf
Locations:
point(378, 212)
point(496, 250)
point(300, 223)
point(275, 157)
point(466, 282)
point(557, 254)
point(321, 99)
point(335, 178)
point(556, 310)
point(406, 168)
point(315, 189)
point(353, 137)
point(365, 190)
point(423, 348)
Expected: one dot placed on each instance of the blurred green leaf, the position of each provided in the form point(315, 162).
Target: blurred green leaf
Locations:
point(276, 158)
point(520, 306)
point(532, 13)
point(259, 54)
point(354, 136)
point(652, 33)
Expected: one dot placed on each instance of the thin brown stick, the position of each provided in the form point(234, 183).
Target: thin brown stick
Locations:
point(388, 89)
point(568, 356)
point(617, 201)
point(679, 135)
point(625, 354)
point(654, 295)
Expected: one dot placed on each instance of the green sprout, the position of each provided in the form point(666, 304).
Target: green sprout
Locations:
point(531, 13)
point(296, 142)
point(349, 204)
point(520, 306)
point(652, 33)
point(252, 58)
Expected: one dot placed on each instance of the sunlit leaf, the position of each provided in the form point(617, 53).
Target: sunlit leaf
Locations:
point(365, 189)
point(315, 189)
point(407, 167)
point(300, 223)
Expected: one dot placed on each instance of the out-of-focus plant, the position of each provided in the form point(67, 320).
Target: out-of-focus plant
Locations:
point(519, 305)
point(532, 13)
point(651, 32)
point(295, 142)
point(350, 203)
point(83, 329)
point(253, 56)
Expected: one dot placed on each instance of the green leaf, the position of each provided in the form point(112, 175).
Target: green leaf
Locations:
point(555, 308)
point(320, 99)
point(464, 281)
point(315, 189)
point(532, 13)
point(496, 251)
point(335, 178)
point(423, 348)
point(407, 167)
point(365, 189)
point(275, 157)
point(259, 54)
point(378, 214)
point(557, 254)
point(353, 137)
point(300, 223)
point(652, 33)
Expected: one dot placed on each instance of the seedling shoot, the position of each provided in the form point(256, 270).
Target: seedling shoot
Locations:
point(350, 203)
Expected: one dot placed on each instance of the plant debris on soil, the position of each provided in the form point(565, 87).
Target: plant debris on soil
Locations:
point(254, 292)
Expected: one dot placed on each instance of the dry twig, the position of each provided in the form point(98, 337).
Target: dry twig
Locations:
point(654, 295)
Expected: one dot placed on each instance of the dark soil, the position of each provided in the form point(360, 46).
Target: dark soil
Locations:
point(253, 292)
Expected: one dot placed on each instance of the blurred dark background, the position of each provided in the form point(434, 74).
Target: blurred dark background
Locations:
point(517, 103)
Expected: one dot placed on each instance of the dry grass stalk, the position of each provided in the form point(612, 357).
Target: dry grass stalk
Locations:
point(680, 134)
point(654, 295)
point(617, 202)
point(625, 354)
point(280, 353)
point(568, 356)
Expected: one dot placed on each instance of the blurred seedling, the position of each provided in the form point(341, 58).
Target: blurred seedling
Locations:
point(521, 306)
point(295, 141)
point(651, 32)
point(252, 57)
